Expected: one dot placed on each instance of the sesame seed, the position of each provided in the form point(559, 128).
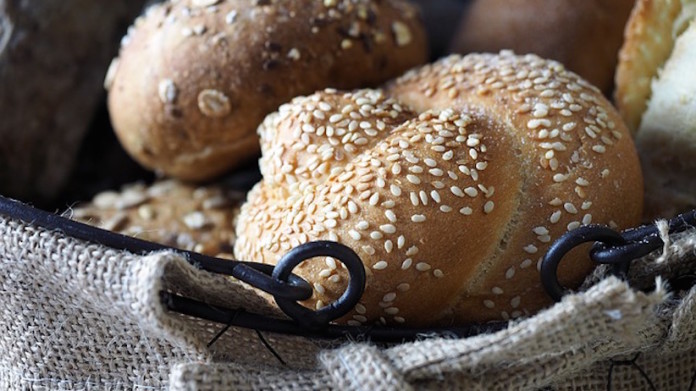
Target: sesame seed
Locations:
point(391, 311)
point(436, 172)
point(396, 169)
point(573, 225)
point(471, 191)
point(445, 208)
point(489, 303)
point(418, 218)
point(488, 207)
point(422, 266)
point(497, 291)
point(423, 197)
point(587, 219)
point(555, 217)
point(403, 287)
point(599, 148)
point(374, 199)
point(390, 216)
point(457, 191)
point(448, 155)
point(362, 225)
point(473, 154)
point(586, 205)
point(429, 162)
point(376, 235)
point(510, 273)
point(381, 265)
point(325, 273)
point(515, 302)
point(570, 208)
point(413, 179)
point(360, 308)
point(354, 234)
point(435, 196)
point(416, 169)
point(406, 263)
point(389, 297)
point(319, 288)
point(387, 228)
point(560, 177)
point(438, 273)
point(353, 323)
point(530, 249)
point(414, 198)
point(582, 182)
point(388, 246)
point(466, 211)
point(526, 263)
point(540, 231)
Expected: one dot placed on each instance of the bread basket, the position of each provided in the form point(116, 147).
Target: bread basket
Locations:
point(85, 309)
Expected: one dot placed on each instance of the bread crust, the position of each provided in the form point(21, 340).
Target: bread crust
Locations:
point(583, 35)
point(450, 184)
point(168, 212)
point(192, 83)
point(648, 42)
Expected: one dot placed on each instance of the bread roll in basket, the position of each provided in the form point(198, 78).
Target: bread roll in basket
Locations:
point(450, 183)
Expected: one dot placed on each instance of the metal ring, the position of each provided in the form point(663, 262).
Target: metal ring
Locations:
point(321, 318)
point(567, 242)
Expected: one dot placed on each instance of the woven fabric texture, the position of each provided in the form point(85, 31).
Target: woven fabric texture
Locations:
point(75, 315)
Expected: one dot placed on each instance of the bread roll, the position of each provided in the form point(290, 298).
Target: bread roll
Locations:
point(656, 93)
point(583, 35)
point(199, 219)
point(196, 77)
point(450, 184)
point(650, 35)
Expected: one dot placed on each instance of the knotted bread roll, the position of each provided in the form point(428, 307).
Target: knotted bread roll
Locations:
point(450, 184)
point(195, 78)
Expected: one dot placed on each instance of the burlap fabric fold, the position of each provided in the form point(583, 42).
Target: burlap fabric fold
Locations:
point(81, 316)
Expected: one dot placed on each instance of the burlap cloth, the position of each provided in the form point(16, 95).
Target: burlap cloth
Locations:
point(81, 316)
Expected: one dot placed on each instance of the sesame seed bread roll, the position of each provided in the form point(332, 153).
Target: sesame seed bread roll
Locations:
point(168, 212)
point(450, 184)
point(195, 78)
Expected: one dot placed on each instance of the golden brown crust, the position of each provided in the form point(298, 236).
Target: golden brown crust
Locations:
point(583, 35)
point(450, 185)
point(649, 41)
point(191, 81)
point(168, 212)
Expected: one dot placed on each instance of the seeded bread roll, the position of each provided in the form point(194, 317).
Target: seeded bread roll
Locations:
point(584, 35)
point(168, 212)
point(656, 86)
point(195, 78)
point(450, 184)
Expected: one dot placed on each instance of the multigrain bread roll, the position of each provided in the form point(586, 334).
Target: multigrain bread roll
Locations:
point(450, 184)
point(583, 35)
point(656, 95)
point(169, 212)
point(196, 77)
